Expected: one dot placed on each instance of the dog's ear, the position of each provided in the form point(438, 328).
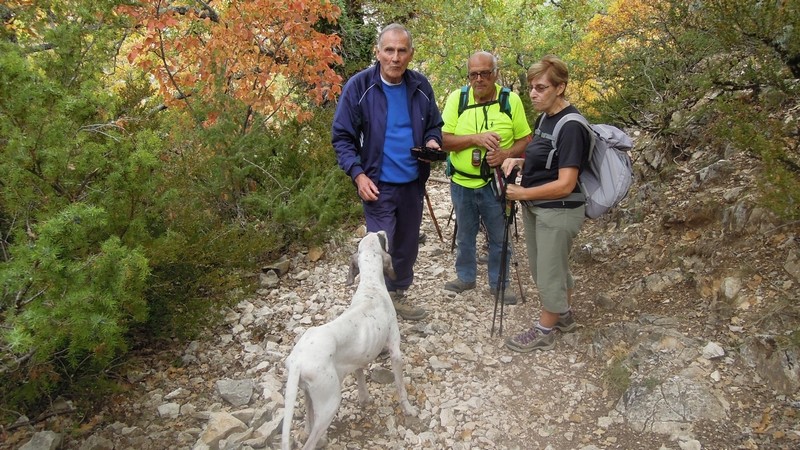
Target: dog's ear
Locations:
point(388, 268)
point(351, 274)
point(383, 240)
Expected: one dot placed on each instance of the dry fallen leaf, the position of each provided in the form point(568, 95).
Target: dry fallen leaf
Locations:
point(763, 426)
point(315, 254)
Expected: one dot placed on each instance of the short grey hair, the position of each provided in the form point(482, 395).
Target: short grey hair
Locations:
point(395, 27)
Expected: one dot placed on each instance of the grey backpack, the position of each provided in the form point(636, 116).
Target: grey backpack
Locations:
point(609, 176)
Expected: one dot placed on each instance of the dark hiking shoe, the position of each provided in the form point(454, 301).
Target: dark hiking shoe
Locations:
point(509, 298)
point(458, 286)
point(566, 322)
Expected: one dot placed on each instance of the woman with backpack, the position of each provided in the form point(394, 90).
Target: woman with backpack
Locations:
point(553, 205)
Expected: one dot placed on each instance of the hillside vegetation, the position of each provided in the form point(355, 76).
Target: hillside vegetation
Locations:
point(154, 153)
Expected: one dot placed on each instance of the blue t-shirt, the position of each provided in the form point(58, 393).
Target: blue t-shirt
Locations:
point(398, 164)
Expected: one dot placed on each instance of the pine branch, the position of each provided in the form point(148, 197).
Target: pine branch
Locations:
point(17, 362)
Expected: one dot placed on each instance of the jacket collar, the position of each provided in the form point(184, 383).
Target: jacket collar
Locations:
point(410, 80)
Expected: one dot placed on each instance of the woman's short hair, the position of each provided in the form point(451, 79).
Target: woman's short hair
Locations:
point(552, 67)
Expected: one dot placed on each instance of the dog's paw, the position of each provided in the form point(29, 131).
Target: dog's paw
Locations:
point(365, 401)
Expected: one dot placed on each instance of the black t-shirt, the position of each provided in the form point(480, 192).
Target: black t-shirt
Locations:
point(573, 150)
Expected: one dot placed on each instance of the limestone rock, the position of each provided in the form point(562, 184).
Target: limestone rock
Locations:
point(235, 392)
point(43, 440)
point(220, 426)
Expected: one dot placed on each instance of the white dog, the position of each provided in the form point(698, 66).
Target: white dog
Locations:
point(324, 355)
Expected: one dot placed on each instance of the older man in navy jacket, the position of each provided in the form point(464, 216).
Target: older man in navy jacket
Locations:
point(383, 112)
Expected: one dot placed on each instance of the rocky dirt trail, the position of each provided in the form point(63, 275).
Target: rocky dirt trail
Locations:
point(687, 299)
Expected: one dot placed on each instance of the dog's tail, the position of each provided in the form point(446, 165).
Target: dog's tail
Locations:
point(292, 382)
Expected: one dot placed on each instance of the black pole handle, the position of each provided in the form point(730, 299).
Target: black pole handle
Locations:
point(512, 177)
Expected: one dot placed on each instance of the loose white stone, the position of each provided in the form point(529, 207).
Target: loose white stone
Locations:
point(713, 350)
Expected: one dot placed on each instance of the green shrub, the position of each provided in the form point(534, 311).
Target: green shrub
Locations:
point(764, 134)
point(76, 292)
point(121, 226)
point(617, 376)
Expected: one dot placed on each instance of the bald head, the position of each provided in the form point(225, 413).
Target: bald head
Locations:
point(482, 57)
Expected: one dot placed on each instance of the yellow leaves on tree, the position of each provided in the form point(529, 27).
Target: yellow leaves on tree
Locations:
point(626, 23)
point(264, 53)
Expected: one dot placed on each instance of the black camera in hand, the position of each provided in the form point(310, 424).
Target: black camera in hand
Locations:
point(428, 153)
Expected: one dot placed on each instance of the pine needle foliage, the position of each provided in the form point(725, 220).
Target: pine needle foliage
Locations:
point(122, 220)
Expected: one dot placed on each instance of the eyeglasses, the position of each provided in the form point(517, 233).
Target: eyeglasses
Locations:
point(540, 88)
point(483, 74)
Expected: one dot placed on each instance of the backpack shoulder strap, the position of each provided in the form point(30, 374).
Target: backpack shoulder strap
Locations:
point(502, 99)
point(580, 119)
point(463, 99)
point(554, 137)
point(571, 116)
point(505, 104)
point(536, 124)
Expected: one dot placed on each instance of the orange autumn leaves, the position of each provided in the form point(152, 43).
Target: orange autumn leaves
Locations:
point(625, 25)
point(265, 53)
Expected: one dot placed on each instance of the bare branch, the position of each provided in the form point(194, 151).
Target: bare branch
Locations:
point(163, 56)
point(99, 129)
point(38, 48)
point(18, 362)
point(266, 172)
point(25, 302)
point(206, 12)
point(211, 14)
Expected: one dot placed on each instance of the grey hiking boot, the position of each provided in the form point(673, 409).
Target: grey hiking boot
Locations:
point(508, 296)
point(566, 322)
point(459, 286)
point(403, 309)
point(533, 339)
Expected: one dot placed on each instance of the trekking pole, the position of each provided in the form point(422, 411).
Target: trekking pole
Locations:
point(500, 294)
point(455, 232)
point(516, 262)
point(509, 212)
point(519, 280)
point(433, 216)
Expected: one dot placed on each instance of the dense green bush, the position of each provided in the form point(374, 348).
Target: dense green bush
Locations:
point(121, 221)
point(239, 199)
point(75, 197)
